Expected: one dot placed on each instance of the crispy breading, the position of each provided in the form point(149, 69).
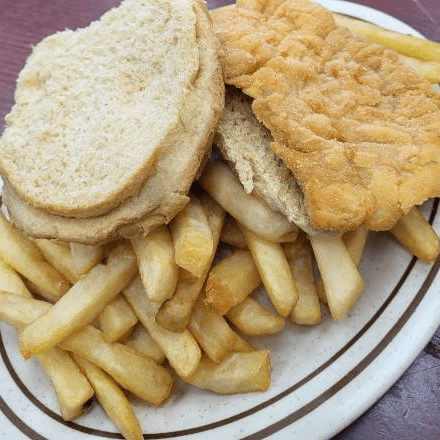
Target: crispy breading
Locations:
point(359, 130)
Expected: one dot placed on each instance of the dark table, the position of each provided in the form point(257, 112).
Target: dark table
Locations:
point(410, 410)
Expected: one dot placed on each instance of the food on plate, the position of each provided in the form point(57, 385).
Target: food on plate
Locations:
point(152, 149)
point(358, 129)
point(160, 277)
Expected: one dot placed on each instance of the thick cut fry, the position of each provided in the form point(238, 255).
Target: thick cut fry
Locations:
point(238, 373)
point(82, 303)
point(26, 258)
point(415, 233)
point(274, 270)
point(405, 44)
point(156, 262)
point(180, 348)
point(72, 389)
point(112, 399)
point(214, 334)
point(10, 281)
point(139, 375)
point(429, 70)
point(85, 256)
point(307, 310)
point(175, 313)
point(140, 340)
point(252, 319)
point(117, 319)
point(219, 181)
point(192, 237)
point(230, 281)
point(342, 282)
point(58, 254)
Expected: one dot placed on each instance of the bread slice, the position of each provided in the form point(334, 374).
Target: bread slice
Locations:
point(94, 107)
point(164, 193)
point(245, 144)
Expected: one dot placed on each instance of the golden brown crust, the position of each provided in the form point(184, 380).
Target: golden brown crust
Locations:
point(359, 130)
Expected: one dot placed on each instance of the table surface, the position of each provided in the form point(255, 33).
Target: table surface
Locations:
point(410, 410)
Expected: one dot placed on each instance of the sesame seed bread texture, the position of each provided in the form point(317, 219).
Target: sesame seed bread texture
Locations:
point(245, 144)
point(165, 192)
point(95, 106)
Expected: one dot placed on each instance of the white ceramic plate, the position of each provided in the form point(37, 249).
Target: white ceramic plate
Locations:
point(323, 377)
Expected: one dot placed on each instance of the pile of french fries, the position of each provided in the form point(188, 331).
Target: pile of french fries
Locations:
point(132, 315)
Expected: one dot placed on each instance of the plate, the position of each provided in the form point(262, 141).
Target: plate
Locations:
point(323, 377)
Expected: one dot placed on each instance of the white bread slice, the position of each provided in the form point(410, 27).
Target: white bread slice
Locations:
point(94, 107)
point(245, 144)
point(165, 192)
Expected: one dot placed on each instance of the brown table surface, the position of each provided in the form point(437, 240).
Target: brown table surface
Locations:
point(410, 410)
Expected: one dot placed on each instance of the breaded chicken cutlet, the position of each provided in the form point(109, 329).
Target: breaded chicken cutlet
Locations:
point(359, 130)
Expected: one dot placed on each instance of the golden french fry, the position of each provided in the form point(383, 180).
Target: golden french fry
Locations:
point(192, 237)
point(214, 334)
point(342, 281)
point(59, 256)
point(429, 70)
point(231, 280)
point(180, 348)
point(10, 281)
point(140, 340)
point(26, 258)
point(238, 373)
point(307, 310)
point(274, 270)
point(85, 256)
point(82, 303)
point(175, 313)
point(415, 233)
point(252, 319)
point(139, 375)
point(72, 389)
point(156, 262)
point(112, 399)
point(231, 234)
point(219, 181)
point(117, 318)
point(405, 44)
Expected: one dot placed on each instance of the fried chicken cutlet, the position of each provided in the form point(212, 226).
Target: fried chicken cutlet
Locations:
point(359, 130)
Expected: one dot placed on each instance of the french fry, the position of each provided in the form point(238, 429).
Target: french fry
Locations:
point(274, 270)
point(238, 373)
point(231, 234)
point(405, 44)
point(117, 318)
point(72, 389)
point(415, 233)
point(112, 399)
point(218, 180)
point(180, 348)
point(139, 375)
point(252, 319)
point(140, 340)
point(59, 256)
point(175, 313)
point(307, 310)
point(156, 262)
point(355, 242)
point(82, 303)
point(26, 258)
point(429, 70)
point(214, 334)
point(231, 280)
point(192, 238)
point(85, 256)
point(10, 281)
point(342, 282)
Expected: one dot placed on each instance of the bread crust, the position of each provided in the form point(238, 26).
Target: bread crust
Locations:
point(163, 194)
